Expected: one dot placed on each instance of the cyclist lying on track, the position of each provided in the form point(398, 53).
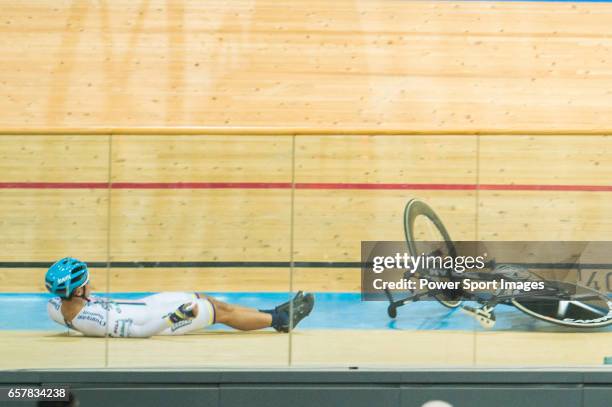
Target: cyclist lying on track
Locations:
point(170, 313)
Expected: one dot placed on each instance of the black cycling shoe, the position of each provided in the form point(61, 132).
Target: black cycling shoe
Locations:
point(302, 306)
point(284, 307)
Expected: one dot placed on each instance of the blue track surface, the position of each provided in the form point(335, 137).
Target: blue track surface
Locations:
point(332, 311)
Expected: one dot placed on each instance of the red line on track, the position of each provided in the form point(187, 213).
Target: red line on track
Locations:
point(201, 185)
point(303, 185)
point(53, 185)
point(529, 187)
point(363, 186)
point(145, 185)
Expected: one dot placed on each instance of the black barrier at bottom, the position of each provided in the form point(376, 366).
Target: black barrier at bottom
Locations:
point(353, 388)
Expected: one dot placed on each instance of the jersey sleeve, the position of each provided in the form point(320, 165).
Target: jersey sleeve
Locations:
point(54, 310)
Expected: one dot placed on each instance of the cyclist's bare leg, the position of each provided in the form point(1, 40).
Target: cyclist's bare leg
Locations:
point(237, 307)
point(238, 317)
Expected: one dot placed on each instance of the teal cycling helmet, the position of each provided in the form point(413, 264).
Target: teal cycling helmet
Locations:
point(65, 276)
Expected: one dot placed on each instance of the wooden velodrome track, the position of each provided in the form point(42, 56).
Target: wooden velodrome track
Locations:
point(510, 102)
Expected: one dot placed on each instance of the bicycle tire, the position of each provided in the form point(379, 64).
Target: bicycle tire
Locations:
point(415, 208)
point(573, 323)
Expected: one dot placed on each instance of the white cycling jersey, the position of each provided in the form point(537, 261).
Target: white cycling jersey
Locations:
point(134, 318)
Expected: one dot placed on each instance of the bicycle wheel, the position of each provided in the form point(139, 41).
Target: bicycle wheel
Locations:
point(425, 233)
point(583, 307)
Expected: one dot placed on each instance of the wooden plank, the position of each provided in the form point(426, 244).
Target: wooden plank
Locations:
point(189, 225)
point(310, 348)
point(54, 158)
point(414, 65)
point(256, 279)
point(576, 160)
point(42, 225)
point(547, 216)
point(225, 279)
point(316, 131)
point(330, 225)
point(200, 158)
point(386, 159)
point(231, 279)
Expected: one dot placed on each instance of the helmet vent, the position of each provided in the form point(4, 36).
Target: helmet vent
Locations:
point(78, 269)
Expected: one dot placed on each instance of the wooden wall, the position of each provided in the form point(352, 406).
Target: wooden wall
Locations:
point(242, 223)
point(413, 65)
point(523, 68)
